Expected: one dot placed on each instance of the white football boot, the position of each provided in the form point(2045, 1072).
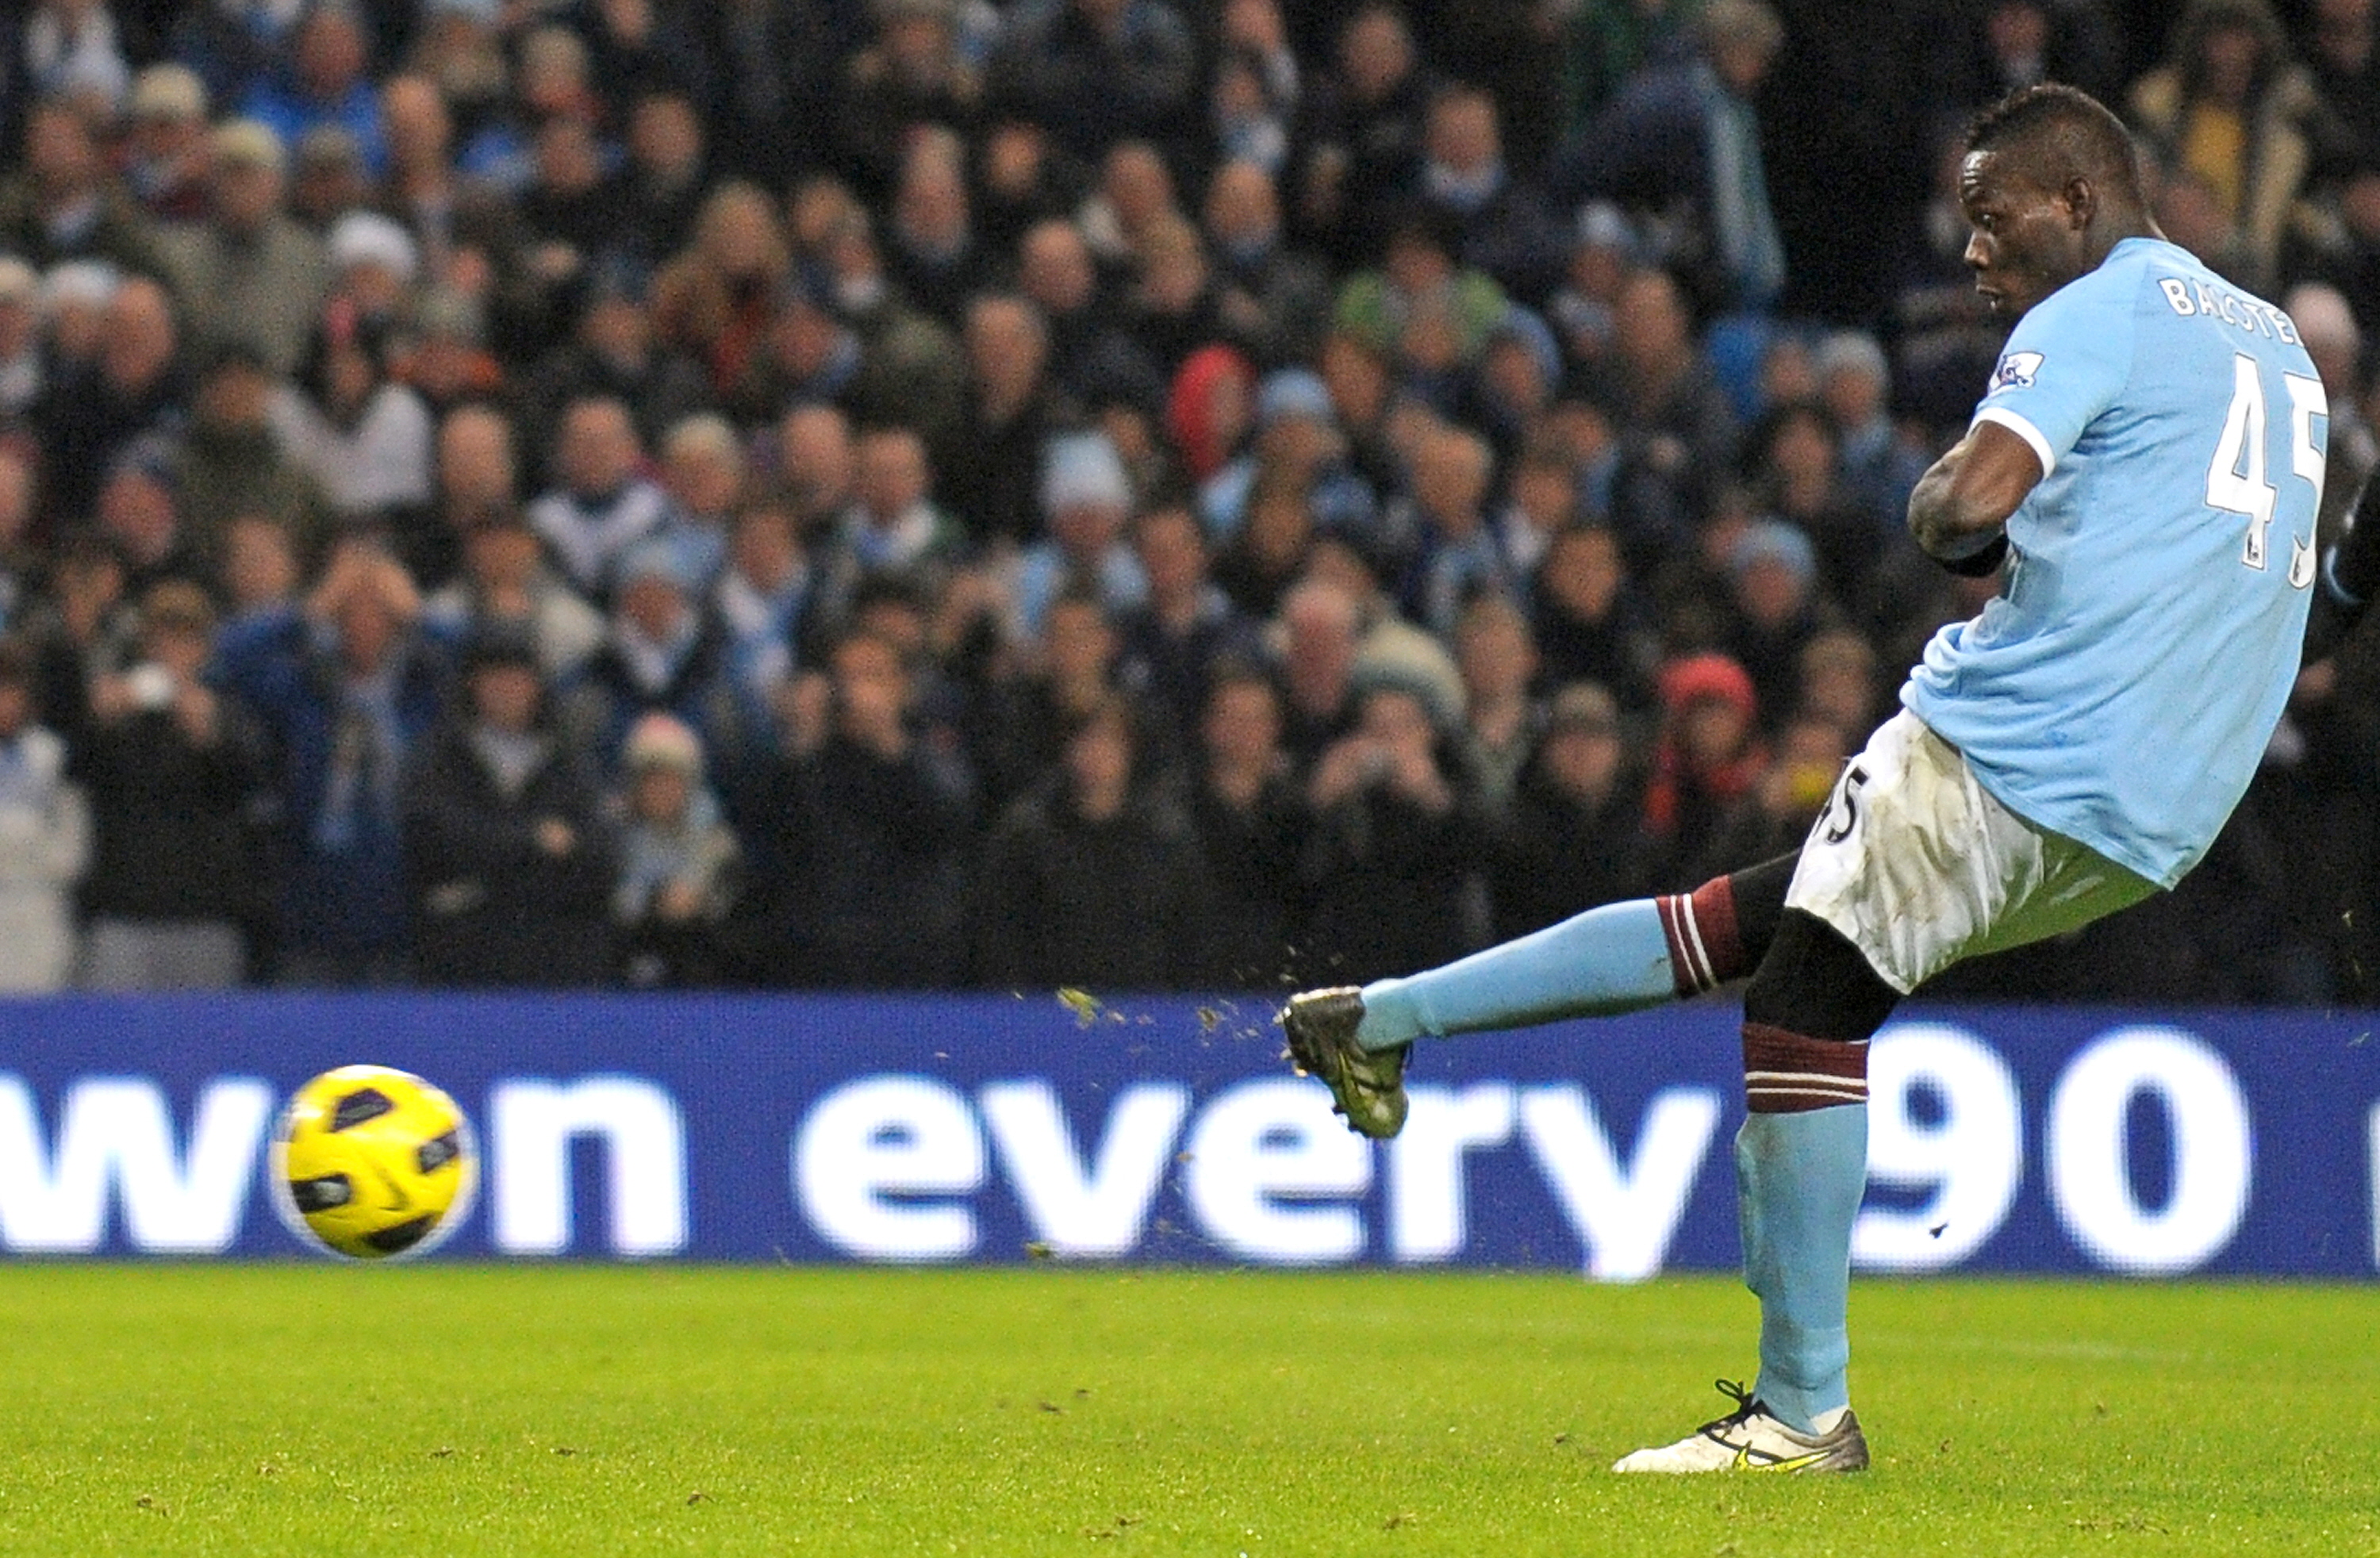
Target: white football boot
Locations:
point(1748, 1439)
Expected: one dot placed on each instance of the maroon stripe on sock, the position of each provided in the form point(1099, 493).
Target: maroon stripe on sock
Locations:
point(1686, 970)
point(1714, 906)
point(1788, 1073)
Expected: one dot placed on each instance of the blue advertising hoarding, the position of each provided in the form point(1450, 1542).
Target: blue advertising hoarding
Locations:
point(1014, 1128)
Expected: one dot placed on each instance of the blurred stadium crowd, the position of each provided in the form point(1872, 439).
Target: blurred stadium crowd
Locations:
point(1132, 493)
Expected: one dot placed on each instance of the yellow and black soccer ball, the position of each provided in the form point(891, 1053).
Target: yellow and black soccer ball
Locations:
point(371, 1163)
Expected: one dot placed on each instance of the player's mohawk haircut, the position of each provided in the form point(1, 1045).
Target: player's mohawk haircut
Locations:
point(2080, 130)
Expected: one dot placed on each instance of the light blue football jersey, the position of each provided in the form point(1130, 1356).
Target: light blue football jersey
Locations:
point(2121, 689)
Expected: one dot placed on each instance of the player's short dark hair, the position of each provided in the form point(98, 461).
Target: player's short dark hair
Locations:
point(2064, 132)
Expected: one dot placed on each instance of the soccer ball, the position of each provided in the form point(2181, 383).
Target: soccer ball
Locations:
point(371, 1163)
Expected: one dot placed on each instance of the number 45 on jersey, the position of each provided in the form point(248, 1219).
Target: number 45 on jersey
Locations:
point(2235, 478)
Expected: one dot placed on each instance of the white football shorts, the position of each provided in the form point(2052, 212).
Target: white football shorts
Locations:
point(1920, 867)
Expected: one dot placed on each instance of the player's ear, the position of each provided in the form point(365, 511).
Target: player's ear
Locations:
point(2081, 199)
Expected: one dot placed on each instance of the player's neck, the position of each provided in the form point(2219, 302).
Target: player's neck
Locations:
point(2115, 225)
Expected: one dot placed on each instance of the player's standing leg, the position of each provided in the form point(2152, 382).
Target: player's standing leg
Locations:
point(1801, 1161)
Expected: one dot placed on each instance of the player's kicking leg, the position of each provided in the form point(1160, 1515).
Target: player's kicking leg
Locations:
point(1801, 1157)
point(1871, 915)
point(1621, 958)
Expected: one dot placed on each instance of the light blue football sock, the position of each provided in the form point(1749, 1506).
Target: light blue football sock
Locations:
point(1799, 1178)
point(1601, 962)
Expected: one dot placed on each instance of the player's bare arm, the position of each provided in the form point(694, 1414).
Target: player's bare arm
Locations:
point(1962, 505)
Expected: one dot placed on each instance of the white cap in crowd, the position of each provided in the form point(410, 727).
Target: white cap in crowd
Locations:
point(366, 238)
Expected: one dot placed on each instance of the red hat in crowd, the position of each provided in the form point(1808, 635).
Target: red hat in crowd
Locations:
point(1190, 408)
point(1698, 676)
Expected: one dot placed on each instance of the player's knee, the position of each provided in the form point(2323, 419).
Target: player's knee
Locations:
point(1813, 983)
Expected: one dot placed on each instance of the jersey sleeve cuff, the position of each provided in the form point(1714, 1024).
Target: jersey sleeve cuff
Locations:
point(2022, 429)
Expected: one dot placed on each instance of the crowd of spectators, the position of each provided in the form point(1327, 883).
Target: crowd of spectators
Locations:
point(1132, 493)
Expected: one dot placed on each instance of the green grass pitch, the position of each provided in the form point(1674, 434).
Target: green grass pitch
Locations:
point(585, 1410)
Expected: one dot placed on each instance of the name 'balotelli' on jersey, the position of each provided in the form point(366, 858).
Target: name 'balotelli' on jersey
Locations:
point(2121, 689)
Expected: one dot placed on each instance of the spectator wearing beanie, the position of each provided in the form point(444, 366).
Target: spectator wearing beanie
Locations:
point(1087, 500)
point(678, 861)
point(1707, 757)
point(374, 262)
point(1297, 440)
point(1773, 574)
point(1209, 409)
point(1421, 308)
point(1879, 465)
